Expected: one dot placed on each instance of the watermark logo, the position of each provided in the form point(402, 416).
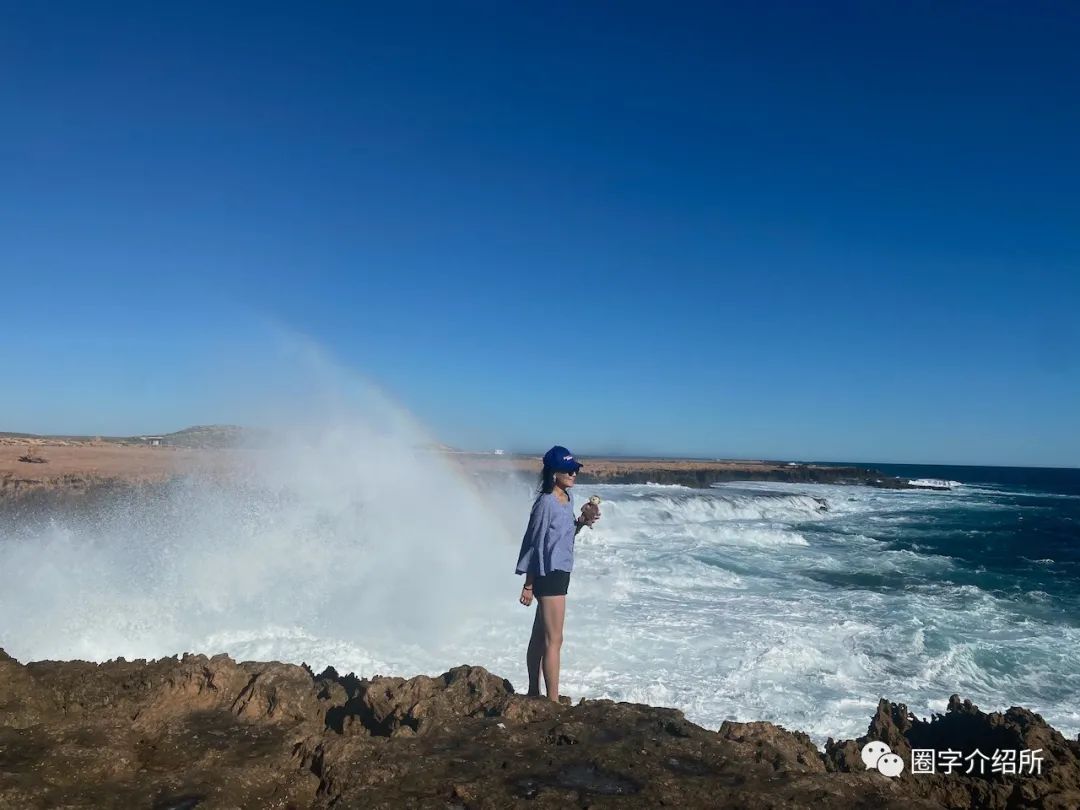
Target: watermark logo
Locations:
point(1006, 761)
point(879, 756)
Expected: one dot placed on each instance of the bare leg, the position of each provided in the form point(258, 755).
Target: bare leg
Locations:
point(536, 651)
point(554, 610)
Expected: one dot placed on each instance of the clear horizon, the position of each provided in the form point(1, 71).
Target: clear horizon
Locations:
point(804, 232)
point(598, 454)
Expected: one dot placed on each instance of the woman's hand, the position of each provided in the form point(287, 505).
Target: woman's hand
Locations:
point(590, 513)
point(526, 596)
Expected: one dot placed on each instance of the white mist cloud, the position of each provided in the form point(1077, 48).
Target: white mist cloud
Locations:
point(347, 530)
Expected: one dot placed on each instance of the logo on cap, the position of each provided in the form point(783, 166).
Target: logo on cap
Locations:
point(560, 458)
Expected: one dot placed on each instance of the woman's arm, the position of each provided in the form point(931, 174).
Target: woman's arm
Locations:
point(531, 555)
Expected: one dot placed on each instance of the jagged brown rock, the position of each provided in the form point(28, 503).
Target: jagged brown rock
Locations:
point(199, 732)
point(965, 729)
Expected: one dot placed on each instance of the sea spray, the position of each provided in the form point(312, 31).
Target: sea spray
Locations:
point(345, 527)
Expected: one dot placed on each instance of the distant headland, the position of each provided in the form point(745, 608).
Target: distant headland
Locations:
point(32, 463)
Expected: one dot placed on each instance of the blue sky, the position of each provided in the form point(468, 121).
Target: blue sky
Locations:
point(850, 231)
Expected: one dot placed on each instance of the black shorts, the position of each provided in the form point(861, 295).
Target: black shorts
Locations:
point(556, 583)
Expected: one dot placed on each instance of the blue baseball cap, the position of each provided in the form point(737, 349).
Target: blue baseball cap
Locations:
point(561, 460)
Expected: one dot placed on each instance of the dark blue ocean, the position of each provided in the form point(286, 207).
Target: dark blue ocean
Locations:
point(1012, 531)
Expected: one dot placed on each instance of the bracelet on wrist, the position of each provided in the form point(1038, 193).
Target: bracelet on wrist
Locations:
point(526, 587)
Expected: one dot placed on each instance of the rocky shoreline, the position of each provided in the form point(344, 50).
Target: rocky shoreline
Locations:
point(695, 473)
point(708, 475)
point(198, 732)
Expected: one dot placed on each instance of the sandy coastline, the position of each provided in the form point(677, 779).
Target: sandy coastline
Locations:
point(75, 466)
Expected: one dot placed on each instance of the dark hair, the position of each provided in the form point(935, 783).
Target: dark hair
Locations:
point(547, 482)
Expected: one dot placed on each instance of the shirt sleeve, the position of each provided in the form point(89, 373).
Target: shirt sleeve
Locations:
point(531, 556)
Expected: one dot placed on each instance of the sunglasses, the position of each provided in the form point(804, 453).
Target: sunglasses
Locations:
point(568, 472)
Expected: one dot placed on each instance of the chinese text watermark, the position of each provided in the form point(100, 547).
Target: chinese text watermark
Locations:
point(1008, 761)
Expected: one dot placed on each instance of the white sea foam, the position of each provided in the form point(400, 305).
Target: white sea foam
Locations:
point(355, 549)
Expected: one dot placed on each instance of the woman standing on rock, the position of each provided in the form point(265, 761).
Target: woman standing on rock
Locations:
point(546, 559)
